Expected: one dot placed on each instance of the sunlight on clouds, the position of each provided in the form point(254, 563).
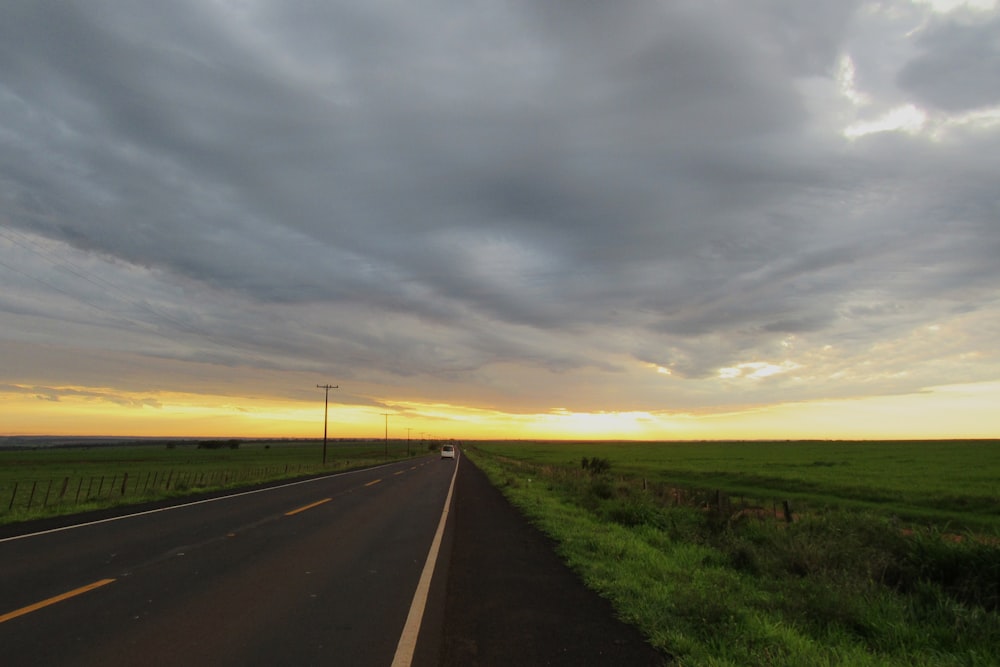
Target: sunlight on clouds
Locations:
point(912, 120)
point(755, 370)
point(978, 119)
point(845, 82)
point(936, 412)
point(931, 413)
point(460, 422)
point(564, 423)
point(945, 6)
point(907, 118)
point(952, 411)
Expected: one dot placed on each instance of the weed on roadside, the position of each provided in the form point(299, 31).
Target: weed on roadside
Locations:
point(712, 588)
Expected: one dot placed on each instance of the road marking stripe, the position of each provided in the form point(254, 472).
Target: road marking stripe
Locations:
point(308, 507)
point(373, 482)
point(399, 472)
point(58, 598)
point(411, 630)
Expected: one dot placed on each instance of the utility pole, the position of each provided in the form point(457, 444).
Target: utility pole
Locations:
point(408, 429)
point(326, 409)
point(386, 414)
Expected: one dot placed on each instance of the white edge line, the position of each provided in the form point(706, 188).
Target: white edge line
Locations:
point(408, 640)
point(191, 504)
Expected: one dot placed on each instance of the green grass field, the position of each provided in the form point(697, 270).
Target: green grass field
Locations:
point(956, 482)
point(41, 482)
point(893, 557)
point(848, 582)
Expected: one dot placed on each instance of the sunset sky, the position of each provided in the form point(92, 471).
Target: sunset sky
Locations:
point(510, 219)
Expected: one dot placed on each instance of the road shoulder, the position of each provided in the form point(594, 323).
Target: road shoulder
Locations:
point(511, 600)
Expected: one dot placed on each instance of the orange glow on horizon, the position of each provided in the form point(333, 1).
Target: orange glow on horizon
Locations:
point(955, 411)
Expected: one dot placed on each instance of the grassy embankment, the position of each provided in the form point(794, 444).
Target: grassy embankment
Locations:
point(37, 483)
point(893, 557)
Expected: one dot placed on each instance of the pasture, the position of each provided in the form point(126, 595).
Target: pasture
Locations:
point(892, 556)
point(954, 482)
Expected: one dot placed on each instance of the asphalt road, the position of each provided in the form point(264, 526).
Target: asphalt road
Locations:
point(232, 581)
point(321, 572)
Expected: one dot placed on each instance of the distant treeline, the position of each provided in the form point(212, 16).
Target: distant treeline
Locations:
point(219, 444)
point(9, 443)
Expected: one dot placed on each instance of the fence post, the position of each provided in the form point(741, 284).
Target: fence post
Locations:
point(12, 496)
point(79, 485)
point(788, 511)
point(45, 503)
point(31, 496)
point(62, 492)
point(124, 483)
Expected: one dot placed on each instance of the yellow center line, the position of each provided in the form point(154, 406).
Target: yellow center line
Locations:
point(58, 598)
point(308, 507)
point(373, 482)
point(399, 472)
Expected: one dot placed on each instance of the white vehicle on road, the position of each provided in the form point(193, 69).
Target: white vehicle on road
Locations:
point(448, 452)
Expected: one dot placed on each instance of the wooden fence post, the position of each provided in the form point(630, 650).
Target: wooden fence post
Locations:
point(124, 482)
point(788, 511)
point(31, 496)
point(12, 496)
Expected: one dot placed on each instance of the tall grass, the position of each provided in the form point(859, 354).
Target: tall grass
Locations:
point(930, 481)
point(711, 587)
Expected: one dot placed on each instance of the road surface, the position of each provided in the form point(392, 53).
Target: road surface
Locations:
point(320, 572)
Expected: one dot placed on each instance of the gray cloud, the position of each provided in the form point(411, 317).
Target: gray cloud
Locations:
point(464, 196)
point(958, 65)
point(55, 394)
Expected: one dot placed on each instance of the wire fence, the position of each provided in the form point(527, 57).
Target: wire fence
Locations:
point(67, 491)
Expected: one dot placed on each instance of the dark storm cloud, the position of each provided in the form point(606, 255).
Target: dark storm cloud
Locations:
point(434, 191)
